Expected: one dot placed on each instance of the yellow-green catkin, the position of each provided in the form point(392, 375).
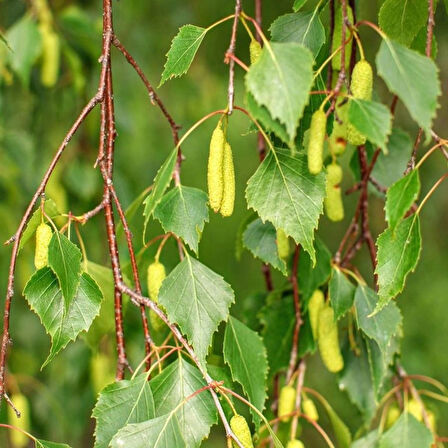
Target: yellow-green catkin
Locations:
point(361, 88)
point(316, 141)
point(101, 371)
point(215, 168)
point(155, 276)
point(328, 340)
point(254, 51)
point(286, 402)
point(393, 414)
point(43, 238)
point(295, 444)
point(241, 429)
point(156, 323)
point(50, 56)
point(228, 174)
point(334, 207)
point(338, 138)
point(310, 410)
point(18, 439)
point(337, 39)
point(282, 244)
point(315, 306)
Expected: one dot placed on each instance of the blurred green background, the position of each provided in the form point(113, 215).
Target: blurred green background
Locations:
point(34, 119)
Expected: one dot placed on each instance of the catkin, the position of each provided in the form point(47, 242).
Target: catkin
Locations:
point(215, 168)
point(315, 305)
point(241, 429)
point(338, 138)
point(155, 276)
point(43, 238)
point(361, 88)
point(309, 409)
point(254, 51)
point(337, 39)
point(50, 56)
point(282, 244)
point(18, 439)
point(328, 340)
point(334, 206)
point(286, 402)
point(316, 141)
point(393, 414)
point(228, 175)
point(295, 444)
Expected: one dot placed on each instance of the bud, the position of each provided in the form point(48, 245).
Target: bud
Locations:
point(254, 51)
point(333, 200)
point(295, 444)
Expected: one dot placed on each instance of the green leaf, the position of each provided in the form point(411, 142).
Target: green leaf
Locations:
point(356, 380)
point(51, 210)
point(260, 238)
point(390, 167)
point(383, 325)
point(281, 80)
point(312, 276)
point(369, 441)
point(372, 119)
point(24, 39)
point(341, 292)
point(401, 20)
point(400, 197)
point(45, 444)
point(175, 384)
point(161, 183)
point(284, 192)
point(197, 299)
point(184, 212)
point(64, 258)
point(182, 52)
point(120, 404)
point(245, 354)
point(62, 324)
point(411, 76)
point(301, 27)
point(299, 3)
point(262, 115)
point(160, 432)
point(398, 254)
point(407, 432)
point(278, 319)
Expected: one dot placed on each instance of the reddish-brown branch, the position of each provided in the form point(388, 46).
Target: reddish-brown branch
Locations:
point(231, 52)
point(298, 314)
point(267, 276)
point(259, 19)
point(238, 61)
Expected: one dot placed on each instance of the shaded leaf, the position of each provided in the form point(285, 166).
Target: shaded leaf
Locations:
point(120, 404)
point(64, 258)
point(61, 323)
point(372, 119)
point(411, 76)
point(45, 444)
point(284, 192)
point(398, 254)
point(299, 3)
point(197, 299)
point(383, 325)
point(301, 27)
point(161, 183)
point(182, 52)
point(171, 388)
point(260, 239)
point(281, 80)
point(341, 292)
point(369, 441)
point(184, 212)
point(245, 354)
point(311, 277)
